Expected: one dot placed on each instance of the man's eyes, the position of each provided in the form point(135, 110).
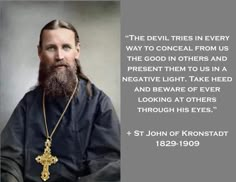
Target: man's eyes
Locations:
point(52, 48)
point(66, 47)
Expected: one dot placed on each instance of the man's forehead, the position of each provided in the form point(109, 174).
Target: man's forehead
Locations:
point(59, 34)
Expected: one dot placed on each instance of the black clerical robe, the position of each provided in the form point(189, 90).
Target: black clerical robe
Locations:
point(86, 143)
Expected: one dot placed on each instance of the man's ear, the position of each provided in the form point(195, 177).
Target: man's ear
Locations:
point(78, 50)
point(39, 51)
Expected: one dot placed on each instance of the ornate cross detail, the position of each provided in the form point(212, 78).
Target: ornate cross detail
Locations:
point(46, 160)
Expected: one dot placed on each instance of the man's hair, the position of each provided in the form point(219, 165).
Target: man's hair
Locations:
point(55, 24)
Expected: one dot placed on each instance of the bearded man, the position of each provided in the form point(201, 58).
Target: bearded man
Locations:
point(65, 129)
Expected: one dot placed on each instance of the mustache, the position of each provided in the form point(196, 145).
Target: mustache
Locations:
point(61, 63)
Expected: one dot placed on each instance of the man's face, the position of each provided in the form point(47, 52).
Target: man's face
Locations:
point(57, 72)
point(59, 48)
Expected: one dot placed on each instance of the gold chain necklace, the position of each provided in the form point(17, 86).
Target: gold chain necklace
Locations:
point(47, 159)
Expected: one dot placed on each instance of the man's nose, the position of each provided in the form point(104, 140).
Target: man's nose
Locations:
point(59, 54)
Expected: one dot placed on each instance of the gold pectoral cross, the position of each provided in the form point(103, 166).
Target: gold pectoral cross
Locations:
point(46, 160)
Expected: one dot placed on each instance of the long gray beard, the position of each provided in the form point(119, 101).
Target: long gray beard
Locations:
point(57, 82)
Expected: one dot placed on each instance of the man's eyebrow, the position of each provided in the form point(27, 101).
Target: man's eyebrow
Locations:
point(50, 45)
point(67, 44)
